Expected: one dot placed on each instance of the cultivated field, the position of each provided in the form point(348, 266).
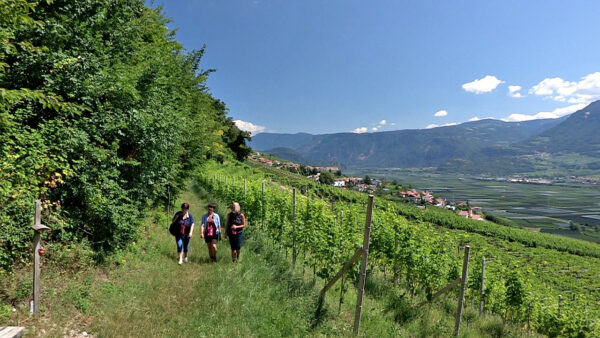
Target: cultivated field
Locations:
point(540, 207)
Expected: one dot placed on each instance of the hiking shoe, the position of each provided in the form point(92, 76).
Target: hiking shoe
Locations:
point(185, 260)
point(180, 261)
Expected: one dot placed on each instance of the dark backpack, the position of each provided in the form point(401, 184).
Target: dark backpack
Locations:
point(175, 228)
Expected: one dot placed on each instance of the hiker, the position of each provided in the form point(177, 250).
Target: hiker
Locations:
point(236, 222)
point(185, 222)
point(211, 229)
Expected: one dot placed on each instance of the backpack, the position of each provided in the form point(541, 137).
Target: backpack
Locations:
point(174, 228)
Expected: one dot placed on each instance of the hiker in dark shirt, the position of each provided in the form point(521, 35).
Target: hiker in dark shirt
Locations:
point(236, 222)
point(186, 230)
point(211, 229)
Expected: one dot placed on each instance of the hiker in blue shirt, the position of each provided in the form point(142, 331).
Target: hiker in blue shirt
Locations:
point(186, 230)
point(211, 229)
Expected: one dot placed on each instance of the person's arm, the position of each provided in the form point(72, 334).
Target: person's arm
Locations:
point(176, 217)
point(218, 223)
point(203, 225)
point(191, 226)
point(243, 225)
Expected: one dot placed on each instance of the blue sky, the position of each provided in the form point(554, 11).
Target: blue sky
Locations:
point(326, 66)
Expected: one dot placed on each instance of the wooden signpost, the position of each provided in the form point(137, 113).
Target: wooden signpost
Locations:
point(37, 249)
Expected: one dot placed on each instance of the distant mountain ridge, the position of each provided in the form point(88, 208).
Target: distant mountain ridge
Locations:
point(480, 146)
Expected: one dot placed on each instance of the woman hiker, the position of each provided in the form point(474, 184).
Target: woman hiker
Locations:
point(211, 228)
point(185, 220)
point(236, 222)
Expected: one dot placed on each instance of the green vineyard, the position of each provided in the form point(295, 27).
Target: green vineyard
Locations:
point(547, 284)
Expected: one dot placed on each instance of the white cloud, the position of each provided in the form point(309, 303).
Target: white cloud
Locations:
point(249, 127)
point(556, 113)
point(584, 91)
point(513, 91)
point(484, 85)
point(360, 130)
point(382, 123)
point(473, 119)
point(441, 113)
point(433, 125)
point(392, 124)
point(374, 128)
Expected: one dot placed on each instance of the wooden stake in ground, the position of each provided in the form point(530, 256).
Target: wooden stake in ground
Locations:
point(294, 227)
point(37, 245)
point(463, 287)
point(169, 202)
point(482, 287)
point(363, 266)
point(263, 206)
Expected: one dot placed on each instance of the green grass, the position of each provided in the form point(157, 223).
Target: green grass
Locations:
point(144, 292)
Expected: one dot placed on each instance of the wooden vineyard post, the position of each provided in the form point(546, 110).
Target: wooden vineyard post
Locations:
point(482, 295)
point(560, 300)
point(37, 247)
point(262, 205)
point(342, 285)
point(463, 286)
point(396, 267)
point(294, 227)
point(168, 201)
point(363, 267)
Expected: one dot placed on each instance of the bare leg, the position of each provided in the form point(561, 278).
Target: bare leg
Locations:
point(208, 245)
point(214, 250)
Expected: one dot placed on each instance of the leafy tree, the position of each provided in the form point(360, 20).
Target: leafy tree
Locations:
point(100, 109)
point(367, 179)
point(326, 178)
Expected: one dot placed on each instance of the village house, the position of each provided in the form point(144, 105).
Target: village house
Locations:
point(473, 213)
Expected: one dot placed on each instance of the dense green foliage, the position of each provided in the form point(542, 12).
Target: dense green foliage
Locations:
point(523, 282)
point(100, 109)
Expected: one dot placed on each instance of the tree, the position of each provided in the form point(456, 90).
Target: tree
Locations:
point(100, 109)
point(367, 179)
point(326, 178)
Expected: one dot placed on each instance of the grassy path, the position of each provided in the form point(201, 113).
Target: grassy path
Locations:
point(161, 298)
point(149, 294)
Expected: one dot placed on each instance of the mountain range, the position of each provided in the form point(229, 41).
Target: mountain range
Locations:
point(485, 146)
